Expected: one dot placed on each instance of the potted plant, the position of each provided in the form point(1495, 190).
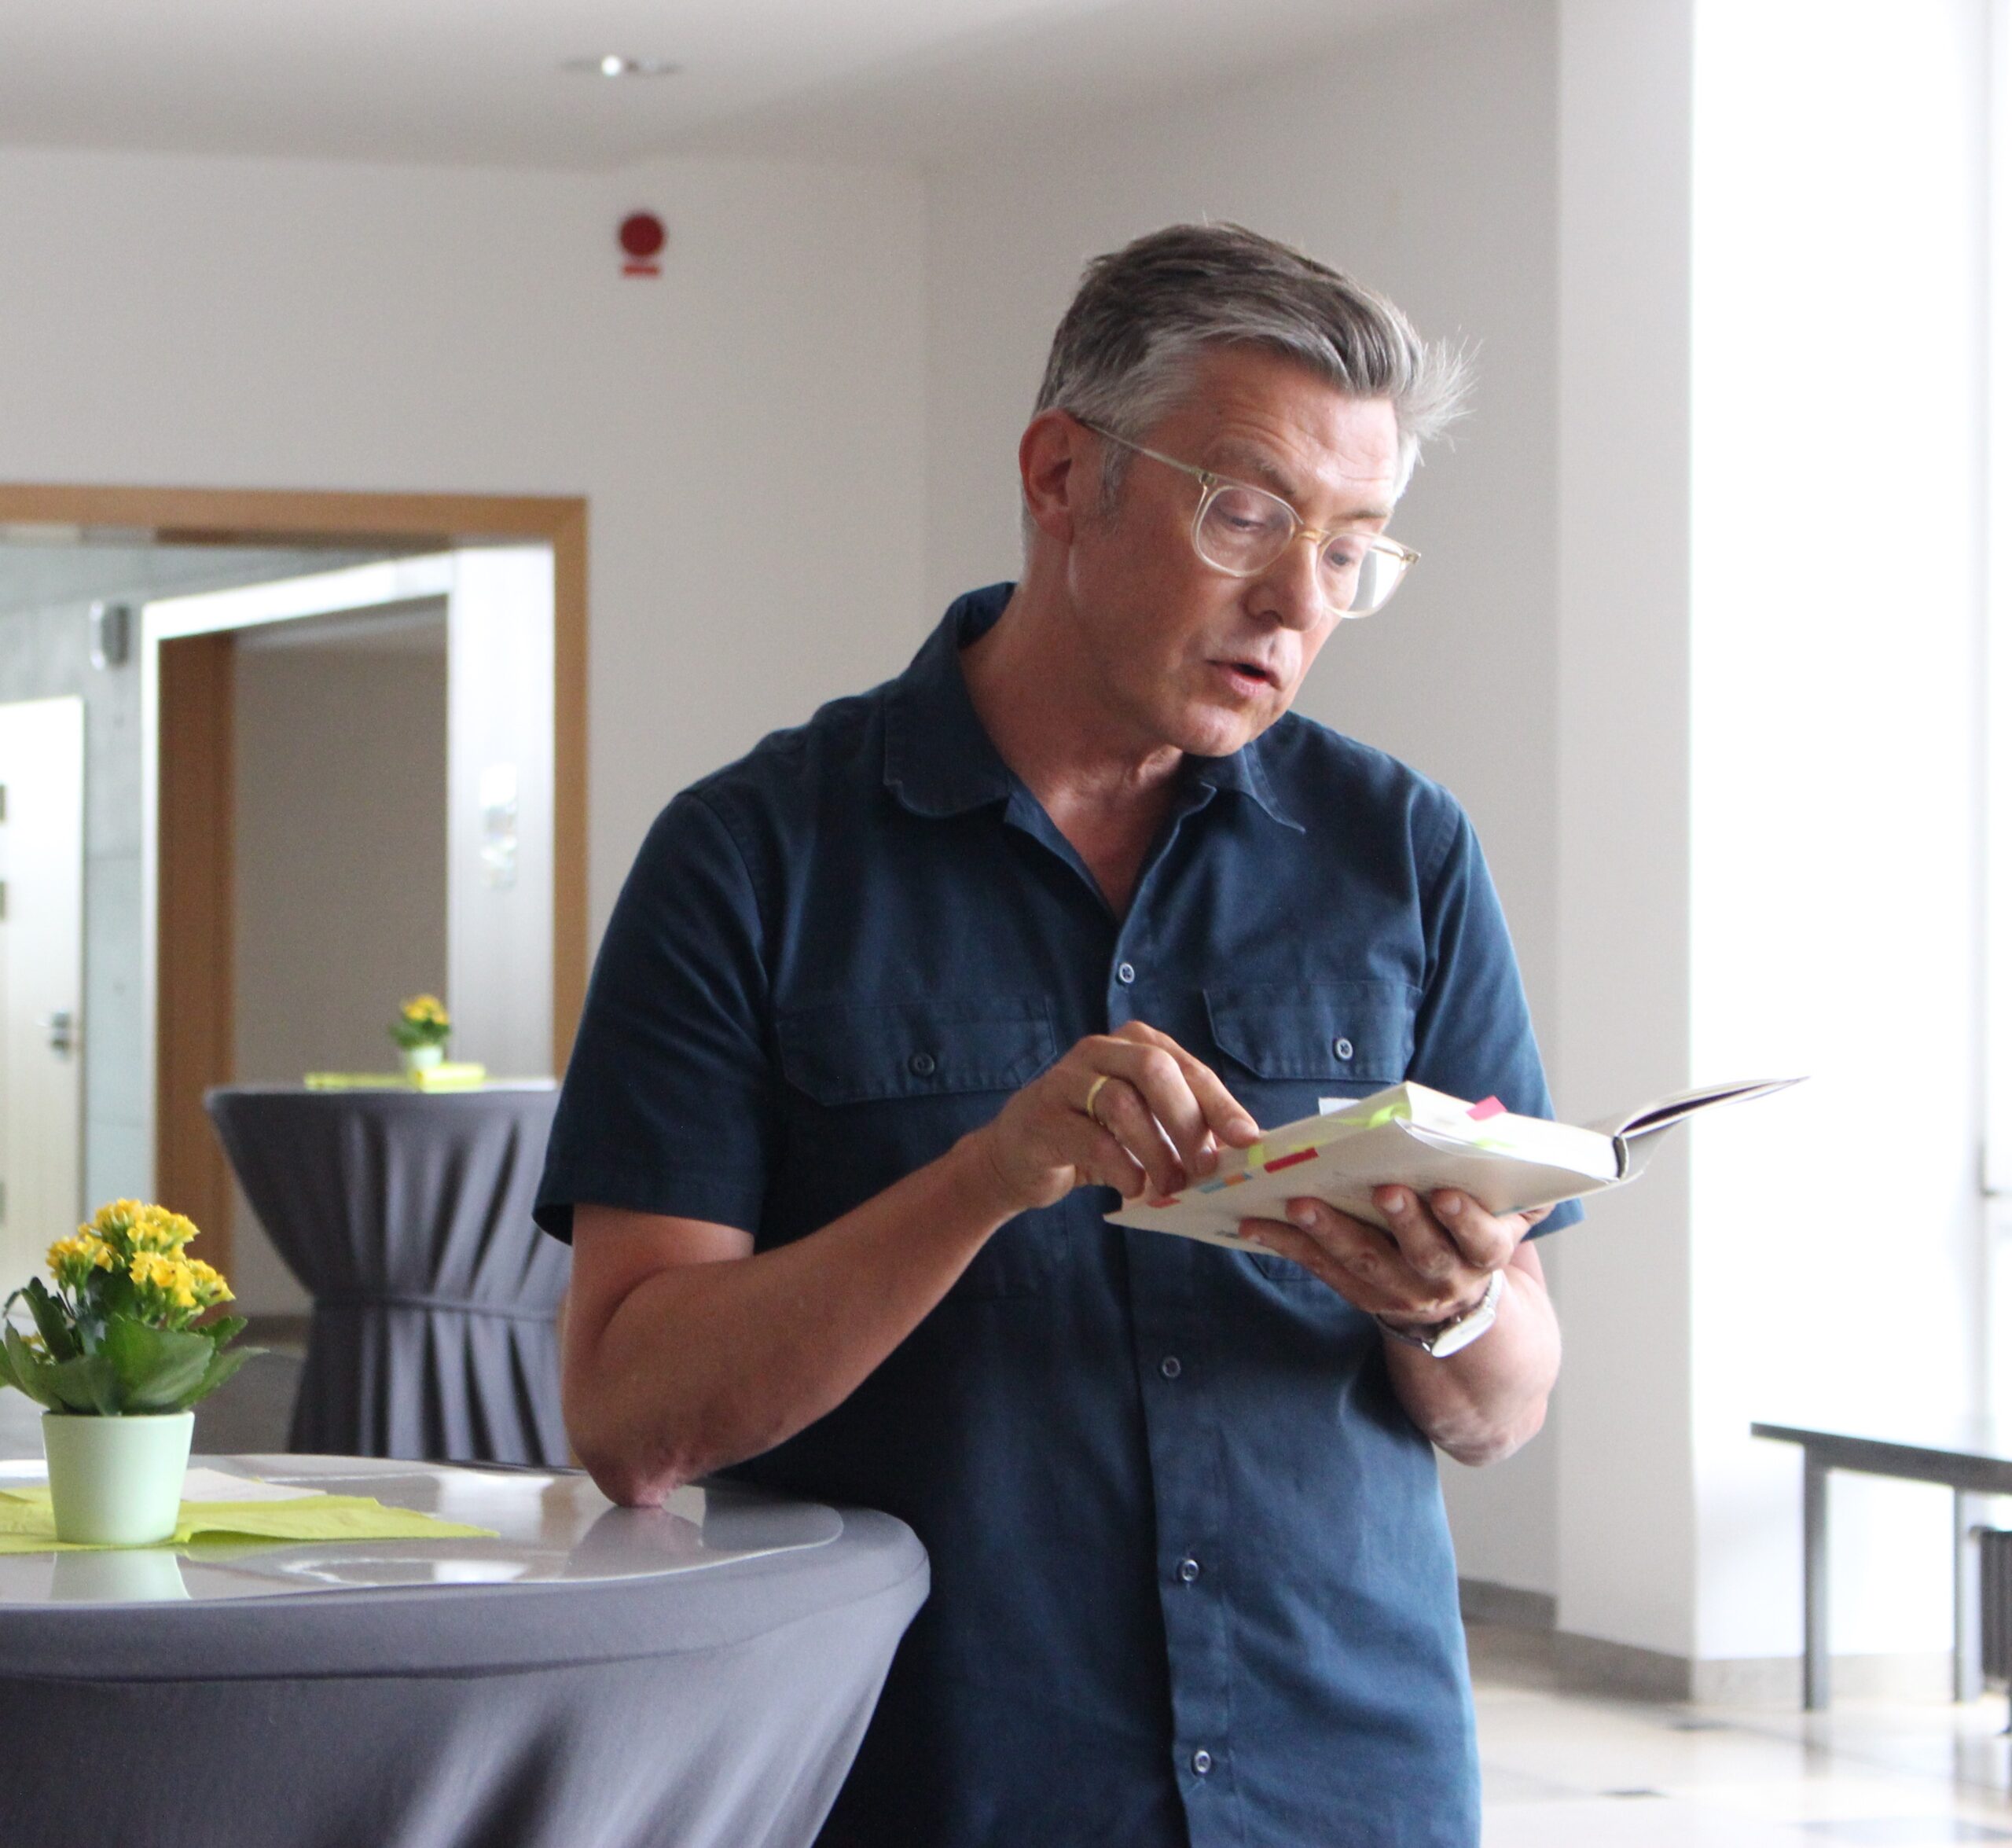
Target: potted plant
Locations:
point(420, 1031)
point(117, 1361)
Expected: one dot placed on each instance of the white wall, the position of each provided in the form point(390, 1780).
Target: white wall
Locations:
point(1423, 161)
point(1627, 1557)
point(747, 429)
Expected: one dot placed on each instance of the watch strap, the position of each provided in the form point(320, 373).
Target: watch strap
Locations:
point(1447, 1338)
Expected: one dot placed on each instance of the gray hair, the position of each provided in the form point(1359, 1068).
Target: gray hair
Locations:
point(1126, 351)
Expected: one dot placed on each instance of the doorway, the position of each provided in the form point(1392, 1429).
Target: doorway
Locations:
point(41, 892)
point(188, 1042)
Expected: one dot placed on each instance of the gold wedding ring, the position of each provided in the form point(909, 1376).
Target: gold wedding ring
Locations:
point(1090, 1102)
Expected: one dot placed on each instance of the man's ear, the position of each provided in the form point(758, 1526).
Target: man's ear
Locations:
point(1058, 476)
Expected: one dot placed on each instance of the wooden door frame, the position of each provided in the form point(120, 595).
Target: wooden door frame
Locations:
point(189, 1172)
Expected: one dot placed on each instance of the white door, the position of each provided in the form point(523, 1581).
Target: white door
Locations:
point(42, 912)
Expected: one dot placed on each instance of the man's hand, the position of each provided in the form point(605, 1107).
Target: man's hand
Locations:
point(1489, 1399)
point(1433, 1265)
point(1127, 1109)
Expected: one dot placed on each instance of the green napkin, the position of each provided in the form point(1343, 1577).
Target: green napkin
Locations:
point(28, 1526)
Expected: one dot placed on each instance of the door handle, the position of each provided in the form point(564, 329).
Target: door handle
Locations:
point(61, 1026)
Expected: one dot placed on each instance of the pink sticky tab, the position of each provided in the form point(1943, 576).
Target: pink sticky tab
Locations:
point(1489, 1107)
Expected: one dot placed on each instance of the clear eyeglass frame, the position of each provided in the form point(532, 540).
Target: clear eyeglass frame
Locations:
point(1370, 588)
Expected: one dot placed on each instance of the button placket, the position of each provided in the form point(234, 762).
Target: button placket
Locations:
point(1171, 1304)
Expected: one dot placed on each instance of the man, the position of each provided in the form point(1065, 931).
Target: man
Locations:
point(1073, 905)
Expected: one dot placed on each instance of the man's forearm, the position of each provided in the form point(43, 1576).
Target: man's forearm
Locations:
point(1486, 1401)
point(703, 1364)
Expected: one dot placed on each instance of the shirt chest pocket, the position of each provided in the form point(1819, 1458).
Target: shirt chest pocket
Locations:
point(1282, 1047)
point(877, 1089)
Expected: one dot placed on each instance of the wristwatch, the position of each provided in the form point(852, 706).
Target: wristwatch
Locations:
point(1449, 1337)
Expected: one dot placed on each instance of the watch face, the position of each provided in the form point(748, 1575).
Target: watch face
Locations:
point(1470, 1329)
point(1471, 1326)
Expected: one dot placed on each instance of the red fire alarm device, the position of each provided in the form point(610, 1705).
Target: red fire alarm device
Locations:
point(642, 237)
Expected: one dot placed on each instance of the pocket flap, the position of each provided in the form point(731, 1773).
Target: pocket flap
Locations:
point(859, 1051)
point(1358, 1032)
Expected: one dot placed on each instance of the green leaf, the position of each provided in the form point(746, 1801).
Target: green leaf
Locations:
point(86, 1384)
point(225, 1328)
point(112, 1293)
point(32, 1374)
point(221, 1367)
point(51, 1321)
point(155, 1367)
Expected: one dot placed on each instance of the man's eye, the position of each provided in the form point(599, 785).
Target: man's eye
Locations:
point(1343, 555)
point(1243, 514)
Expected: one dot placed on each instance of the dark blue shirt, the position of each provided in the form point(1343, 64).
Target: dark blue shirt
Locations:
point(1192, 1579)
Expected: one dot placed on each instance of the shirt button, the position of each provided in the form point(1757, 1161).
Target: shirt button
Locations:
point(1125, 973)
point(1203, 1763)
point(1344, 1048)
point(921, 1064)
point(1170, 1367)
point(1191, 1570)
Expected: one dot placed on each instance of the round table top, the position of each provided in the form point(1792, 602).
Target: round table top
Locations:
point(569, 1577)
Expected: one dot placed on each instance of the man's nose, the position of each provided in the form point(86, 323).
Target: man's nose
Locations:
point(1290, 586)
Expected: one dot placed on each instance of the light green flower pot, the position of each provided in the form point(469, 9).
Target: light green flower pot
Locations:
point(116, 1482)
point(423, 1058)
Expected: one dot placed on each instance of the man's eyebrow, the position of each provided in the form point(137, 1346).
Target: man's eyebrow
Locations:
point(1254, 464)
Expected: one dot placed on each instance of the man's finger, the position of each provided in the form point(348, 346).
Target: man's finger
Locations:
point(1486, 1242)
point(1428, 1246)
point(1126, 1116)
point(1165, 1081)
point(1103, 1161)
point(1226, 1118)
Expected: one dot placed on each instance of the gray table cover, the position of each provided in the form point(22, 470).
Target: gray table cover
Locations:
point(407, 1216)
point(699, 1678)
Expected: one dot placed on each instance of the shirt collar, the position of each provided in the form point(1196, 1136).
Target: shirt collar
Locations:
point(939, 760)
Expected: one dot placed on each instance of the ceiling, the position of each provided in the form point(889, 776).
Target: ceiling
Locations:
point(479, 82)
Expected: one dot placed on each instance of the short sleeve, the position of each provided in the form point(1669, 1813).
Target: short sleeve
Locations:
point(669, 1104)
point(1473, 1036)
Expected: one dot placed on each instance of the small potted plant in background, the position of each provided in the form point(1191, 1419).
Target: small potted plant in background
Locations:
point(117, 1361)
point(420, 1032)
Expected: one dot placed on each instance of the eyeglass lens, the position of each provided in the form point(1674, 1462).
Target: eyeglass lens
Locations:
point(1243, 530)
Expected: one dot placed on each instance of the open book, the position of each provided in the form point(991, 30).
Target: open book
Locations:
point(1410, 1136)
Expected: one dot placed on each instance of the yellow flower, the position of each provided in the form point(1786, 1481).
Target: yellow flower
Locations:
point(208, 1283)
point(71, 1260)
point(424, 1010)
point(163, 1284)
point(113, 1221)
point(157, 1229)
point(130, 1226)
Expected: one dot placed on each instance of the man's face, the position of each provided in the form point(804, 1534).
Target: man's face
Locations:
point(1181, 654)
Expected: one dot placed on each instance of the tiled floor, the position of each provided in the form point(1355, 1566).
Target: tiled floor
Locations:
point(1563, 1770)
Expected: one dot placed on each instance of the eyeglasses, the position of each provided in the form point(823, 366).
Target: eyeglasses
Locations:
point(1241, 531)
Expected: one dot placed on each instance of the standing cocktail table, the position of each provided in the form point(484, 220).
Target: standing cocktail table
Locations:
point(407, 1214)
point(595, 1676)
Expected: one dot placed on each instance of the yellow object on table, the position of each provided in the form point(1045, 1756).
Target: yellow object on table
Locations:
point(26, 1524)
point(454, 1074)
